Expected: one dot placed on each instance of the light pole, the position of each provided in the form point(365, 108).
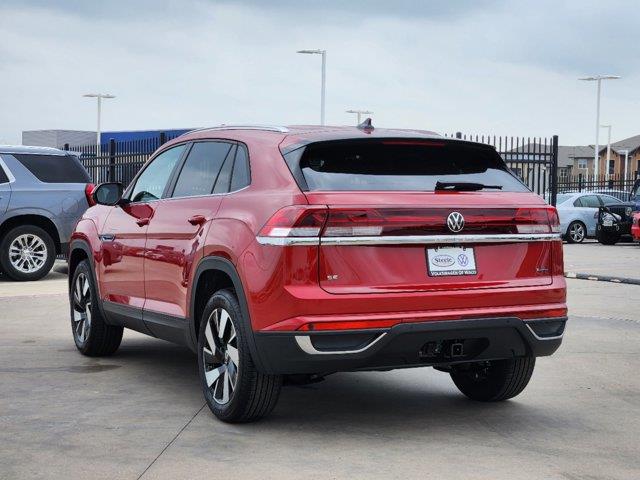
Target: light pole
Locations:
point(626, 161)
point(608, 127)
point(598, 78)
point(99, 96)
point(324, 78)
point(359, 113)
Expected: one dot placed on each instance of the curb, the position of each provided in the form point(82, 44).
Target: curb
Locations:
point(602, 278)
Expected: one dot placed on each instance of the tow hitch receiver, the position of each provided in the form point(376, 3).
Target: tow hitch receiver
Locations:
point(452, 350)
point(457, 350)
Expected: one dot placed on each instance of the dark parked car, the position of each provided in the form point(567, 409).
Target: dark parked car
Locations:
point(615, 221)
point(296, 252)
point(43, 193)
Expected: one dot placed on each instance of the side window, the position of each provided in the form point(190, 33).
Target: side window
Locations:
point(201, 169)
point(590, 201)
point(608, 199)
point(54, 168)
point(224, 178)
point(578, 202)
point(153, 180)
point(241, 173)
point(3, 176)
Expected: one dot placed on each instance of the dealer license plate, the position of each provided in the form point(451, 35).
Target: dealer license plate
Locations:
point(451, 261)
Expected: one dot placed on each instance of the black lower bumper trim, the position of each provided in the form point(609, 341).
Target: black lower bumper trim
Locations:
point(408, 345)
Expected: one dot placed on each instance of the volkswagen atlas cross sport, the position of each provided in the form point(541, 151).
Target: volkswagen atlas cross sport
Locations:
point(286, 254)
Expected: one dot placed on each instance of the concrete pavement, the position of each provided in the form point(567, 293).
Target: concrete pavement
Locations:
point(620, 260)
point(140, 413)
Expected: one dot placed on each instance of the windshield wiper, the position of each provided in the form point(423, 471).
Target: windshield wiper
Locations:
point(465, 186)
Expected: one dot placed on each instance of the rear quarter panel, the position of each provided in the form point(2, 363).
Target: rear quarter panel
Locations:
point(62, 203)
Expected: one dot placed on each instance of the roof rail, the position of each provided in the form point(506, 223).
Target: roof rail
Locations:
point(266, 128)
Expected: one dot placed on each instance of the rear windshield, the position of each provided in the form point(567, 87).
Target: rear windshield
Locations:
point(54, 168)
point(397, 164)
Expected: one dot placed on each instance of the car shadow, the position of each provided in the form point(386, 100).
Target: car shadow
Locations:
point(60, 270)
point(410, 400)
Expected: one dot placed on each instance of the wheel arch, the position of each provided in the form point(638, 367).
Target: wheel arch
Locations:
point(212, 274)
point(34, 219)
point(80, 250)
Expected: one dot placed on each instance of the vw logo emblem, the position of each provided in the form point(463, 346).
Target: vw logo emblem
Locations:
point(455, 222)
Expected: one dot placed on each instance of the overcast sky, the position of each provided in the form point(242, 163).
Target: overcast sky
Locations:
point(484, 66)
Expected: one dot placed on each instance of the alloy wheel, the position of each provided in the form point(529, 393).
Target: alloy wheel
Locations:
point(576, 231)
point(81, 308)
point(28, 253)
point(220, 356)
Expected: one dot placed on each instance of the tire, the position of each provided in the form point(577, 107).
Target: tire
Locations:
point(27, 253)
point(494, 381)
point(92, 336)
point(607, 238)
point(576, 232)
point(234, 389)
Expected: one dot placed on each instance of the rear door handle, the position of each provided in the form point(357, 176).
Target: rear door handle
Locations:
point(197, 220)
point(142, 222)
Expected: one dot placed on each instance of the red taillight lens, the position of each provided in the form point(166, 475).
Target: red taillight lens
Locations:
point(383, 222)
point(554, 219)
point(354, 223)
point(315, 221)
point(536, 220)
point(88, 191)
point(295, 221)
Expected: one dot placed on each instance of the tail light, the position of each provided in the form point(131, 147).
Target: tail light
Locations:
point(538, 220)
point(88, 191)
point(316, 221)
point(295, 221)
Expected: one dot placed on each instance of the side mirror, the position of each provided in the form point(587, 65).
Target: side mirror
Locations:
point(108, 193)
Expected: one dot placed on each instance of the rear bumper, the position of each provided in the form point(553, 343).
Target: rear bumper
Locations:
point(618, 228)
point(442, 343)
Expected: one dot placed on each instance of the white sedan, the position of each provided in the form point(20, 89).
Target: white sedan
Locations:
point(579, 213)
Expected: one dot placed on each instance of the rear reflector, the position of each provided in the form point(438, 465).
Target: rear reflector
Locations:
point(551, 313)
point(320, 221)
point(349, 325)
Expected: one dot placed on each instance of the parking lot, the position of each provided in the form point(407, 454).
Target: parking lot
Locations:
point(141, 413)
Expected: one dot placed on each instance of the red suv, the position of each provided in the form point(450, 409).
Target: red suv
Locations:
point(292, 253)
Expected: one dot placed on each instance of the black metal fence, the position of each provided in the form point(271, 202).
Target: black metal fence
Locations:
point(619, 186)
point(533, 159)
point(117, 161)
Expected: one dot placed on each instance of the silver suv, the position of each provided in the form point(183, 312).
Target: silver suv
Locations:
point(43, 193)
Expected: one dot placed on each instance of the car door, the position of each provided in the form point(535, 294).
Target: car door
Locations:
point(176, 233)
point(588, 206)
point(123, 239)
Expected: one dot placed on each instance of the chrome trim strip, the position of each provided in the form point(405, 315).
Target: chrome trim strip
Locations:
point(412, 239)
point(287, 241)
point(557, 337)
point(304, 342)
